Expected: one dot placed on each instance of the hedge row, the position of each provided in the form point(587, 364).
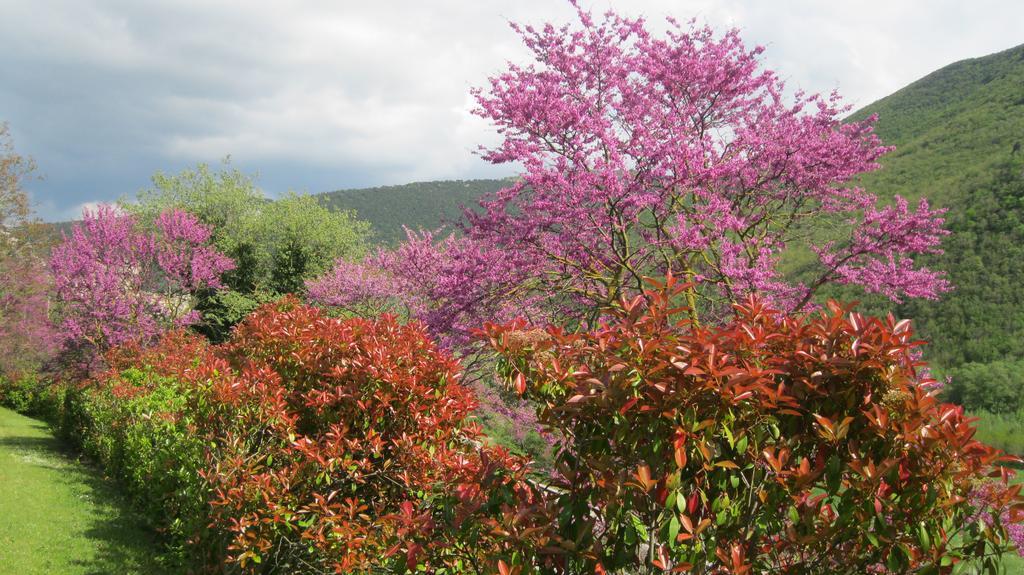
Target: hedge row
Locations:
point(772, 444)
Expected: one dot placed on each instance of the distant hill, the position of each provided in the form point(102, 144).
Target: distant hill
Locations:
point(955, 132)
point(950, 127)
point(425, 205)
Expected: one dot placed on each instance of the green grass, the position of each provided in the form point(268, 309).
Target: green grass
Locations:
point(59, 516)
point(1003, 431)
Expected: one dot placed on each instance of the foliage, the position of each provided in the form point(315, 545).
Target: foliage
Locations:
point(304, 444)
point(996, 387)
point(274, 234)
point(225, 200)
point(983, 319)
point(15, 209)
point(18, 393)
point(950, 127)
point(644, 155)
point(420, 205)
point(771, 444)
point(115, 281)
point(303, 239)
point(147, 441)
point(28, 337)
point(361, 433)
point(276, 245)
point(955, 132)
point(436, 282)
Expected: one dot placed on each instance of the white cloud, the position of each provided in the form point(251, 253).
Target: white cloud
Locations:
point(322, 94)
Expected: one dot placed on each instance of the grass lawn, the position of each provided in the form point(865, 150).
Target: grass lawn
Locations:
point(59, 516)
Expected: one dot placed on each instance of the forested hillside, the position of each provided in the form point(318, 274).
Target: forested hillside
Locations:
point(417, 205)
point(958, 134)
point(951, 127)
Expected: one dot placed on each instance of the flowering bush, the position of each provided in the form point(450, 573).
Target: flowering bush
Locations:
point(28, 337)
point(116, 282)
point(772, 444)
point(305, 444)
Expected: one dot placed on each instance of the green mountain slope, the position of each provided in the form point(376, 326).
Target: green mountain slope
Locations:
point(955, 133)
point(425, 205)
point(950, 127)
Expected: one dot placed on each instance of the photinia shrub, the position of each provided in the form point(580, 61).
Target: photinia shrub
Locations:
point(772, 444)
point(307, 444)
point(351, 447)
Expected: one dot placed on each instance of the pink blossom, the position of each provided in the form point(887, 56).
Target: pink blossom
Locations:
point(28, 337)
point(643, 155)
point(116, 282)
point(982, 499)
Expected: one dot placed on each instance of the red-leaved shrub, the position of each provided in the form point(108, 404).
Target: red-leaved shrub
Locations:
point(349, 446)
point(773, 444)
point(307, 444)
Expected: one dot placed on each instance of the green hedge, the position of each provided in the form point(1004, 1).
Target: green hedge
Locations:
point(146, 440)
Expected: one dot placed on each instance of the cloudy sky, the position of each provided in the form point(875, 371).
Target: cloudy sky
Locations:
point(322, 95)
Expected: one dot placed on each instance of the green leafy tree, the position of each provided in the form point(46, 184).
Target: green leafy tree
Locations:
point(996, 387)
point(276, 245)
point(302, 239)
point(15, 208)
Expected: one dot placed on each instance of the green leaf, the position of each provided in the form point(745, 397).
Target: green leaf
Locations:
point(741, 445)
point(893, 561)
point(833, 473)
point(673, 530)
point(638, 525)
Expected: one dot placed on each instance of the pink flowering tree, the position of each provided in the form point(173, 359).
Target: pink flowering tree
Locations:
point(642, 155)
point(116, 281)
point(28, 337)
point(451, 284)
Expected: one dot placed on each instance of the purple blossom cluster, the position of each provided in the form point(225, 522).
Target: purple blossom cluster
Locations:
point(116, 281)
point(982, 497)
point(452, 285)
